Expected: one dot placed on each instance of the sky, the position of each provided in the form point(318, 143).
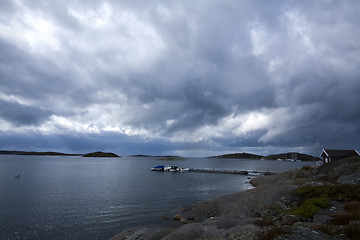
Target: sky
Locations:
point(189, 77)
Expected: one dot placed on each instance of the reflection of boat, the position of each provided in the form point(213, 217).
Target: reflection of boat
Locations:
point(158, 168)
point(184, 169)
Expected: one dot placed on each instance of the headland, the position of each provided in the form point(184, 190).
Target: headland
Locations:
point(308, 203)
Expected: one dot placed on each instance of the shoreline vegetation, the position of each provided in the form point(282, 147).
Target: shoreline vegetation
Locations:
point(307, 203)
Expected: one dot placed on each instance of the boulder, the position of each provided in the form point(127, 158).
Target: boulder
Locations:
point(184, 221)
point(177, 217)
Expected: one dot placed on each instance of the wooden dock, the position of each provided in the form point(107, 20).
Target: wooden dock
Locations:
point(243, 172)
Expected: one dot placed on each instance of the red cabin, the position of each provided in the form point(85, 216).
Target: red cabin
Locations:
point(334, 155)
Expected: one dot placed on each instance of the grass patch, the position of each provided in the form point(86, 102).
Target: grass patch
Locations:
point(310, 206)
point(339, 192)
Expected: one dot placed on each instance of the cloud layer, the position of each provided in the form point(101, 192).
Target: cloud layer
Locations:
point(170, 77)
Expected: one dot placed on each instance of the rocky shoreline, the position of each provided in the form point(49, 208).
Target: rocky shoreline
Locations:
point(308, 203)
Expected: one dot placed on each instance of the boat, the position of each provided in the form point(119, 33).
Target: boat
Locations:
point(163, 168)
point(158, 168)
point(174, 169)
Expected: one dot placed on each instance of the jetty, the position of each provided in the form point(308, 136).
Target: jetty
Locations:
point(242, 172)
point(162, 168)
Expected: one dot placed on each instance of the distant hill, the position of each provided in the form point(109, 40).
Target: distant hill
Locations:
point(37, 153)
point(240, 156)
point(101, 154)
point(283, 156)
point(290, 155)
point(140, 155)
point(164, 157)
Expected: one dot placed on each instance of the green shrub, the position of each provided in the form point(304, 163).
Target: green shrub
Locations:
point(310, 206)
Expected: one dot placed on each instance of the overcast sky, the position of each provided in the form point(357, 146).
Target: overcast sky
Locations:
point(190, 78)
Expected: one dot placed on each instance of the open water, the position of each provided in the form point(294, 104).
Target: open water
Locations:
point(60, 197)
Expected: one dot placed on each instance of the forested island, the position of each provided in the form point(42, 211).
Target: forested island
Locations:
point(101, 154)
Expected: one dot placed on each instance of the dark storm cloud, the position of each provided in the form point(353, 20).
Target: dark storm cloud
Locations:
point(206, 77)
point(18, 114)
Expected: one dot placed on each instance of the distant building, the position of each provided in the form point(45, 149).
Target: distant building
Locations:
point(334, 155)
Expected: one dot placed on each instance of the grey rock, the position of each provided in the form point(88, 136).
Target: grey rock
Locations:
point(196, 231)
point(184, 221)
point(321, 218)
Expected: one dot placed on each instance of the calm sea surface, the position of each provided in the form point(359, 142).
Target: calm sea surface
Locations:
point(95, 198)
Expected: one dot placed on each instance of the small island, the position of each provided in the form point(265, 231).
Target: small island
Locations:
point(6, 152)
point(102, 154)
point(240, 156)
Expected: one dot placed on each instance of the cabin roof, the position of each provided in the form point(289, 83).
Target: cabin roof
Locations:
point(340, 153)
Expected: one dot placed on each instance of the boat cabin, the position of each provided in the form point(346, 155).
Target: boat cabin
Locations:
point(334, 155)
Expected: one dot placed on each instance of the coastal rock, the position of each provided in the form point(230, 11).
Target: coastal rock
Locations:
point(303, 231)
point(143, 234)
point(177, 217)
point(184, 221)
point(196, 231)
point(321, 218)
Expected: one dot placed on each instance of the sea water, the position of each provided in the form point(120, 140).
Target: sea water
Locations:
point(61, 197)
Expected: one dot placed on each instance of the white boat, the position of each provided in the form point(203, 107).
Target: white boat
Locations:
point(174, 169)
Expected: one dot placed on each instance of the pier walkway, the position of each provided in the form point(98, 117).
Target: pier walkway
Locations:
point(244, 172)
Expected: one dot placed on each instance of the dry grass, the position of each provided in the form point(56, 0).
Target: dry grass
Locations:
point(271, 233)
point(263, 222)
point(352, 213)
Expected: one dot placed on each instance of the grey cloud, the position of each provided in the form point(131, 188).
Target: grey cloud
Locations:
point(18, 114)
point(205, 71)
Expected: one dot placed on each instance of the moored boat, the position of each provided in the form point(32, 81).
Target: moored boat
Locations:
point(158, 168)
point(174, 169)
